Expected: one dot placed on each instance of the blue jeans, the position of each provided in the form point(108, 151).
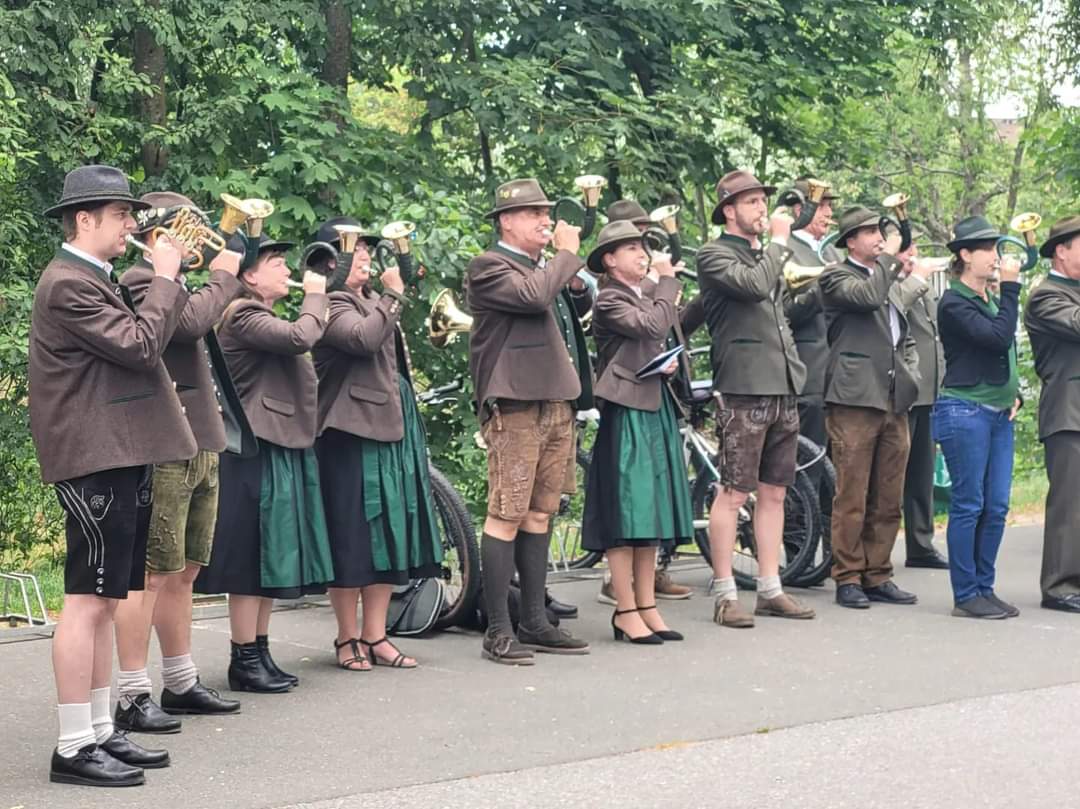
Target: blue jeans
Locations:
point(978, 446)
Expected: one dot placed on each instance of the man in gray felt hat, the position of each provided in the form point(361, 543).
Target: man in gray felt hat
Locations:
point(103, 411)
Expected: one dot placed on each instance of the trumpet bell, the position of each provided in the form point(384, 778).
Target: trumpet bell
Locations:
point(817, 189)
point(665, 217)
point(260, 209)
point(350, 235)
point(237, 212)
point(1027, 224)
point(446, 320)
point(590, 186)
point(400, 233)
point(799, 275)
point(895, 200)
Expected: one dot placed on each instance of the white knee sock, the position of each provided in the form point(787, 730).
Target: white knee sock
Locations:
point(76, 728)
point(131, 684)
point(725, 588)
point(179, 674)
point(101, 713)
point(769, 586)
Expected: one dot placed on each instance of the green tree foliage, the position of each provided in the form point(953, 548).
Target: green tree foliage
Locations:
point(416, 109)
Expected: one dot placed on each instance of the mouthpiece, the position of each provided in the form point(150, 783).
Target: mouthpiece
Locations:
point(548, 233)
point(136, 243)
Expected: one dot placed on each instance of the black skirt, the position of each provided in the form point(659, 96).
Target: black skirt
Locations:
point(236, 560)
point(351, 541)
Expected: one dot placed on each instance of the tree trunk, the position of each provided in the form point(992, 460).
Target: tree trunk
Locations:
point(702, 212)
point(149, 59)
point(335, 66)
point(485, 156)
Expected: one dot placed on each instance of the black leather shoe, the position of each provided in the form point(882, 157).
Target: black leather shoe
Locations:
point(120, 747)
point(263, 642)
point(1010, 610)
point(979, 607)
point(560, 608)
point(247, 672)
point(1069, 603)
point(932, 560)
point(889, 593)
point(144, 716)
point(852, 596)
point(198, 700)
point(93, 767)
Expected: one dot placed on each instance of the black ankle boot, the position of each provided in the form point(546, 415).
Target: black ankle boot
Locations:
point(263, 642)
point(247, 672)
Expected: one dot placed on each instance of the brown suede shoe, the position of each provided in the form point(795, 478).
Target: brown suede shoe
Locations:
point(666, 588)
point(731, 613)
point(783, 606)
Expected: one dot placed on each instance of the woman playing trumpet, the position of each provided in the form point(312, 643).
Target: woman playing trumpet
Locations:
point(636, 494)
point(973, 418)
point(372, 453)
point(270, 540)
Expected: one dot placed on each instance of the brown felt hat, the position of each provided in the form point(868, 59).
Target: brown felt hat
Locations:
point(854, 219)
point(611, 236)
point(629, 210)
point(515, 194)
point(1062, 231)
point(731, 185)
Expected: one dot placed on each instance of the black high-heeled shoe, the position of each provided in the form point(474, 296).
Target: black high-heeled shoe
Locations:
point(663, 634)
point(652, 639)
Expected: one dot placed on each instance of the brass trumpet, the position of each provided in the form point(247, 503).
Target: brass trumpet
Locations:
point(446, 320)
point(797, 276)
point(259, 210)
point(190, 229)
point(590, 186)
point(1026, 224)
point(396, 240)
point(817, 189)
point(666, 229)
point(898, 203)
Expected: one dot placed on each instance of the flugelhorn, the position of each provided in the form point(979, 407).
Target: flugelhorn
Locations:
point(590, 186)
point(190, 229)
point(446, 320)
point(898, 204)
point(1025, 224)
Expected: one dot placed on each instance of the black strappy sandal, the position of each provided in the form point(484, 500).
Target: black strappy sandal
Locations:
point(358, 657)
point(397, 663)
point(665, 634)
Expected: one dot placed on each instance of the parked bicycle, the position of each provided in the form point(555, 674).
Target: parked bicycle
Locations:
point(461, 553)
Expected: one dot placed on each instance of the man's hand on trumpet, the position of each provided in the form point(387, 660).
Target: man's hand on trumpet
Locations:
point(1009, 268)
point(165, 257)
point(661, 264)
point(314, 283)
point(780, 226)
point(391, 279)
point(566, 237)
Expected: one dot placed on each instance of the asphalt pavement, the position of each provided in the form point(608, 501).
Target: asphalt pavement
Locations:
point(891, 707)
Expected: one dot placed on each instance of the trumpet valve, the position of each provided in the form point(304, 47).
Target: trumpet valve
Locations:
point(591, 185)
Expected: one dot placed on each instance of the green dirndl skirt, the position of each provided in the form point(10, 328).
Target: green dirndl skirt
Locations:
point(379, 506)
point(637, 492)
point(295, 545)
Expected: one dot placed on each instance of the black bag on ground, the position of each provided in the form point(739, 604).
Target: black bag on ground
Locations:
point(414, 607)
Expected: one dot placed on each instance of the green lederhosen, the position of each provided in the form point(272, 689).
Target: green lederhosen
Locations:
point(397, 495)
point(295, 547)
point(637, 491)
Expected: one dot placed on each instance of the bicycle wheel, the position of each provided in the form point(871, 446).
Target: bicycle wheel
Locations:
point(819, 565)
point(461, 555)
point(801, 518)
point(566, 551)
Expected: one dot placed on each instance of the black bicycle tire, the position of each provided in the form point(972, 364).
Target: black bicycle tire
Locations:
point(459, 523)
point(806, 499)
point(815, 574)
